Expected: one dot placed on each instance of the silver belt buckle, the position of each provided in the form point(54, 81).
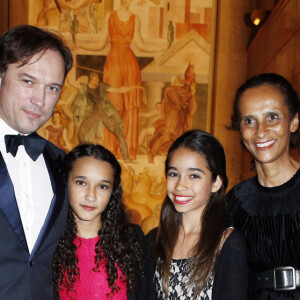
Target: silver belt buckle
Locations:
point(287, 285)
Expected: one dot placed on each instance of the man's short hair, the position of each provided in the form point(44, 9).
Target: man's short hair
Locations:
point(21, 43)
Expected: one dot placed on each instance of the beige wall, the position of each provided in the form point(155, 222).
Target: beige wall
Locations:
point(13, 13)
point(276, 47)
point(230, 72)
point(3, 16)
point(18, 12)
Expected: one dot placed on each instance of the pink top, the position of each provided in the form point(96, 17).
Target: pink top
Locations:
point(91, 285)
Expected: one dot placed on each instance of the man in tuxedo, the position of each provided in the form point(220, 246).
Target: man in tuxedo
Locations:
point(33, 204)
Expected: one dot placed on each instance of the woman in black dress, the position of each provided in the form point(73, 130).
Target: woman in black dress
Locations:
point(266, 208)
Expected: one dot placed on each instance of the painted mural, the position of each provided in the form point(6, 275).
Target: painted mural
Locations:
point(141, 78)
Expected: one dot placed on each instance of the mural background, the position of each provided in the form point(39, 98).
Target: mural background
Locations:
point(146, 78)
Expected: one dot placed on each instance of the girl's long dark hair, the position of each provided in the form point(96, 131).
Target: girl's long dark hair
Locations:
point(118, 245)
point(214, 220)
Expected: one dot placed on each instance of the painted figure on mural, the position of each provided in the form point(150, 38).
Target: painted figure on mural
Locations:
point(138, 209)
point(65, 108)
point(171, 33)
point(56, 132)
point(74, 28)
point(152, 221)
point(178, 107)
point(121, 68)
point(142, 193)
point(148, 121)
point(71, 12)
point(102, 111)
point(81, 106)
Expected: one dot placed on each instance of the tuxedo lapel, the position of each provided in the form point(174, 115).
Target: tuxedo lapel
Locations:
point(54, 164)
point(8, 203)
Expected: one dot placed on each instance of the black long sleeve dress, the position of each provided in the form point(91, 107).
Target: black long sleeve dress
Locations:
point(269, 218)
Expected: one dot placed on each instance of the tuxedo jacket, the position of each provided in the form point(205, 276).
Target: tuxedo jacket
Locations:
point(24, 275)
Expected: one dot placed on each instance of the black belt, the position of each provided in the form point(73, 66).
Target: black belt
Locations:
point(279, 279)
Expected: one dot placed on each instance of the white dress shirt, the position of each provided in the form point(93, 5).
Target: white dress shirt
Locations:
point(32, 186)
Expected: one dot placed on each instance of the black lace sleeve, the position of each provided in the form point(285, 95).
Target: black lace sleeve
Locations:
point(231, 271)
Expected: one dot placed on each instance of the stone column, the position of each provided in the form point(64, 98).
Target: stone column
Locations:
point(154, 90)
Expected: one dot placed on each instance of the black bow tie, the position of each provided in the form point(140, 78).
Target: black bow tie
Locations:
point(33, 143)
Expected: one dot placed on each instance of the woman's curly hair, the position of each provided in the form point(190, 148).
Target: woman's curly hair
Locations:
point(118, 246)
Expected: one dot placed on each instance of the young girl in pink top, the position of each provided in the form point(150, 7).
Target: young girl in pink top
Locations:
point(100, 254)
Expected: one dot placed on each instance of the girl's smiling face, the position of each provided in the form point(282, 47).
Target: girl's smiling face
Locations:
point(90, 184)
point(189, 181)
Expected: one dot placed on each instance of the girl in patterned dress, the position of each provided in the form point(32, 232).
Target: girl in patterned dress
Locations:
point(100, 254)
point(194, 254)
